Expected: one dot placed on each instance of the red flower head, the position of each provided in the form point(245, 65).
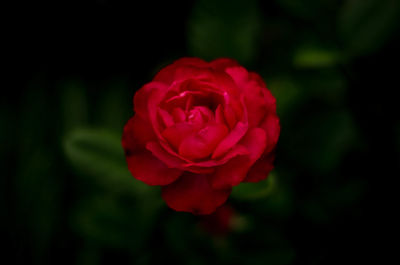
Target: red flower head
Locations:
point(199, 129)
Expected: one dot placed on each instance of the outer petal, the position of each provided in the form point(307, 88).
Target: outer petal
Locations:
point(269, 99)
point(185, 67)
point(137, 132)
point(255, 101)
point(256, 108)
point(142, 97)
point(271, 126)
point(153, 102)
point(141, 163)
point(256, 77)
point(239, 74)
point(261, 168)
point(191, 61)
point(193, 193)
point(222, 63)
point(145, 167)
point(234, 171)
point(158, 151)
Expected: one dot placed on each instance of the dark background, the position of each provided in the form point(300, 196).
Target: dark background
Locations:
point(66, 195)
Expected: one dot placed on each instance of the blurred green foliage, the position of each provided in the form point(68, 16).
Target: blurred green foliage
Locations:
point(219, 29)
point(365, 25)
point(73, 195)
point(253, 191)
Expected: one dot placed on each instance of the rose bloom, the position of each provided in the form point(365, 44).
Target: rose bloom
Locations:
point(199, 129)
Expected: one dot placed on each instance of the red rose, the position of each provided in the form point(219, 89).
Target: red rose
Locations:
point(199, 129)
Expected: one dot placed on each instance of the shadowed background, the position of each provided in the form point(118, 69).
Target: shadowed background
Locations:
point(66, 194)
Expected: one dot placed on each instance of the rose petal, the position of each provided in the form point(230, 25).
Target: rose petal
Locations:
point(230, 140)
point(181, 98)
point(219, 116)
point(231, 173)
point(229, 116)
point(195, 117)
point(145, 167)
point(142, 96)
point(191, 61)
point(166, 117)
point(270, 100)
point(255, 101)
point(181, 69)
point(234, 171)
point(153, 102)
point(173, 161)
point(168, 148)
point(222, 83)
point(137, 132)
point(272, 128)
point(193, 193)
point(206, 113)
point(222, 63)
point(239, 74)
point(158, 151)
point(203, 143)
point(256, 109)
point(179, 115)
point(261, 168)
point(177, 132)
point(256, 77)
point(235, 151)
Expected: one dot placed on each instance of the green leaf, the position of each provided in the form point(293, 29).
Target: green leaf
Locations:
point(115, 221)
point(316, 57)
point(123, 217)
point(99, 153)
point(254, 191)
point(365, 25)
point(217, 29)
